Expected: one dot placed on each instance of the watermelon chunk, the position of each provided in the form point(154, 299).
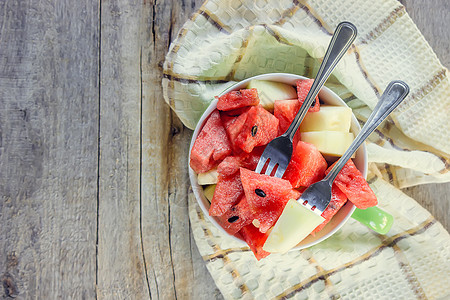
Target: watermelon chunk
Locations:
point(338, 199)
point(294, 194)
point(259, 129)
point(307, 165)
point(227, 194)
point(237, 99)
point(234, 112)
point(266, 196)
point(352, 183)
point(303, 87)
point(211, 146)
point(250, 160)
point(233, 126)
point(285, 111)
point(255, 240)
point(236, 217)
point(231, 164)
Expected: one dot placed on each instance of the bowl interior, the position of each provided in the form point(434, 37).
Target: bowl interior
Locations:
point(328, 97)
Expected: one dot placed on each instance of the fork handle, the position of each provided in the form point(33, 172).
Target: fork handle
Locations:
point(343, 37)
point(395, 92)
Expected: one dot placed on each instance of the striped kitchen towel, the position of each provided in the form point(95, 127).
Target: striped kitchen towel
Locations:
point(227, 41)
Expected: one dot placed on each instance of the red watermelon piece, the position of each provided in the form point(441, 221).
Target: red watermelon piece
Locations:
point(306, 167)
point(285, 111)
point(294, 194)
point(236, 217)
point(259, 129)
point(211, 146)
point(233, 126)
point(231, 164)
point(238, 99)
point(255, 240)
point(228, 193)
point(352, 183)
point(266, 196)
point(338, 199)
point(303, 87)
point(234, 112)
point(250, 160)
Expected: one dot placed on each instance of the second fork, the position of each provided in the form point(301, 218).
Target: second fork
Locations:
point(279, 151)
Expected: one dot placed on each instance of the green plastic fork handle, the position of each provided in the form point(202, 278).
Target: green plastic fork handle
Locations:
point(374, 218)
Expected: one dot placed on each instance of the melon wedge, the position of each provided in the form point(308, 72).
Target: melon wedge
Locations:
point(208, 191)
point(333, 143)
point(209, 177)
point(269, 91)
point(328, 118)
point(295, 223)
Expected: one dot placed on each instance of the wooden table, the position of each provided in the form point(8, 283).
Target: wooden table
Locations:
point(82, 125)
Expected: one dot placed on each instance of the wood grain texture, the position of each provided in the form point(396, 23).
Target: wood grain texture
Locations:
point(174, 266)
point(93, 179)
point(48, 149)
point(121, 264)
point(145, 246)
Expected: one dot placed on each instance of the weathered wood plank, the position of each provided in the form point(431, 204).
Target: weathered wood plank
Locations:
point(121, 267)
point(48, 148)
point(155, 168)
point(174, 266)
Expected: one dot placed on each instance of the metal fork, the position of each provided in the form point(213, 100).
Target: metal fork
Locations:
point(279, 150)
point(318, 195)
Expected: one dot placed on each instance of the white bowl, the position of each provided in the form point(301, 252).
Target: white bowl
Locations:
point(360, 160)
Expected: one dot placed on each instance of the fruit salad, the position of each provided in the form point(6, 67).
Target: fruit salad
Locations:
point(228, 147)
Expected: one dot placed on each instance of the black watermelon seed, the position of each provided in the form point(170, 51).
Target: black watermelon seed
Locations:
point(254, 130)
point(260, 193)
point(313, 103)
point(233, 219)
